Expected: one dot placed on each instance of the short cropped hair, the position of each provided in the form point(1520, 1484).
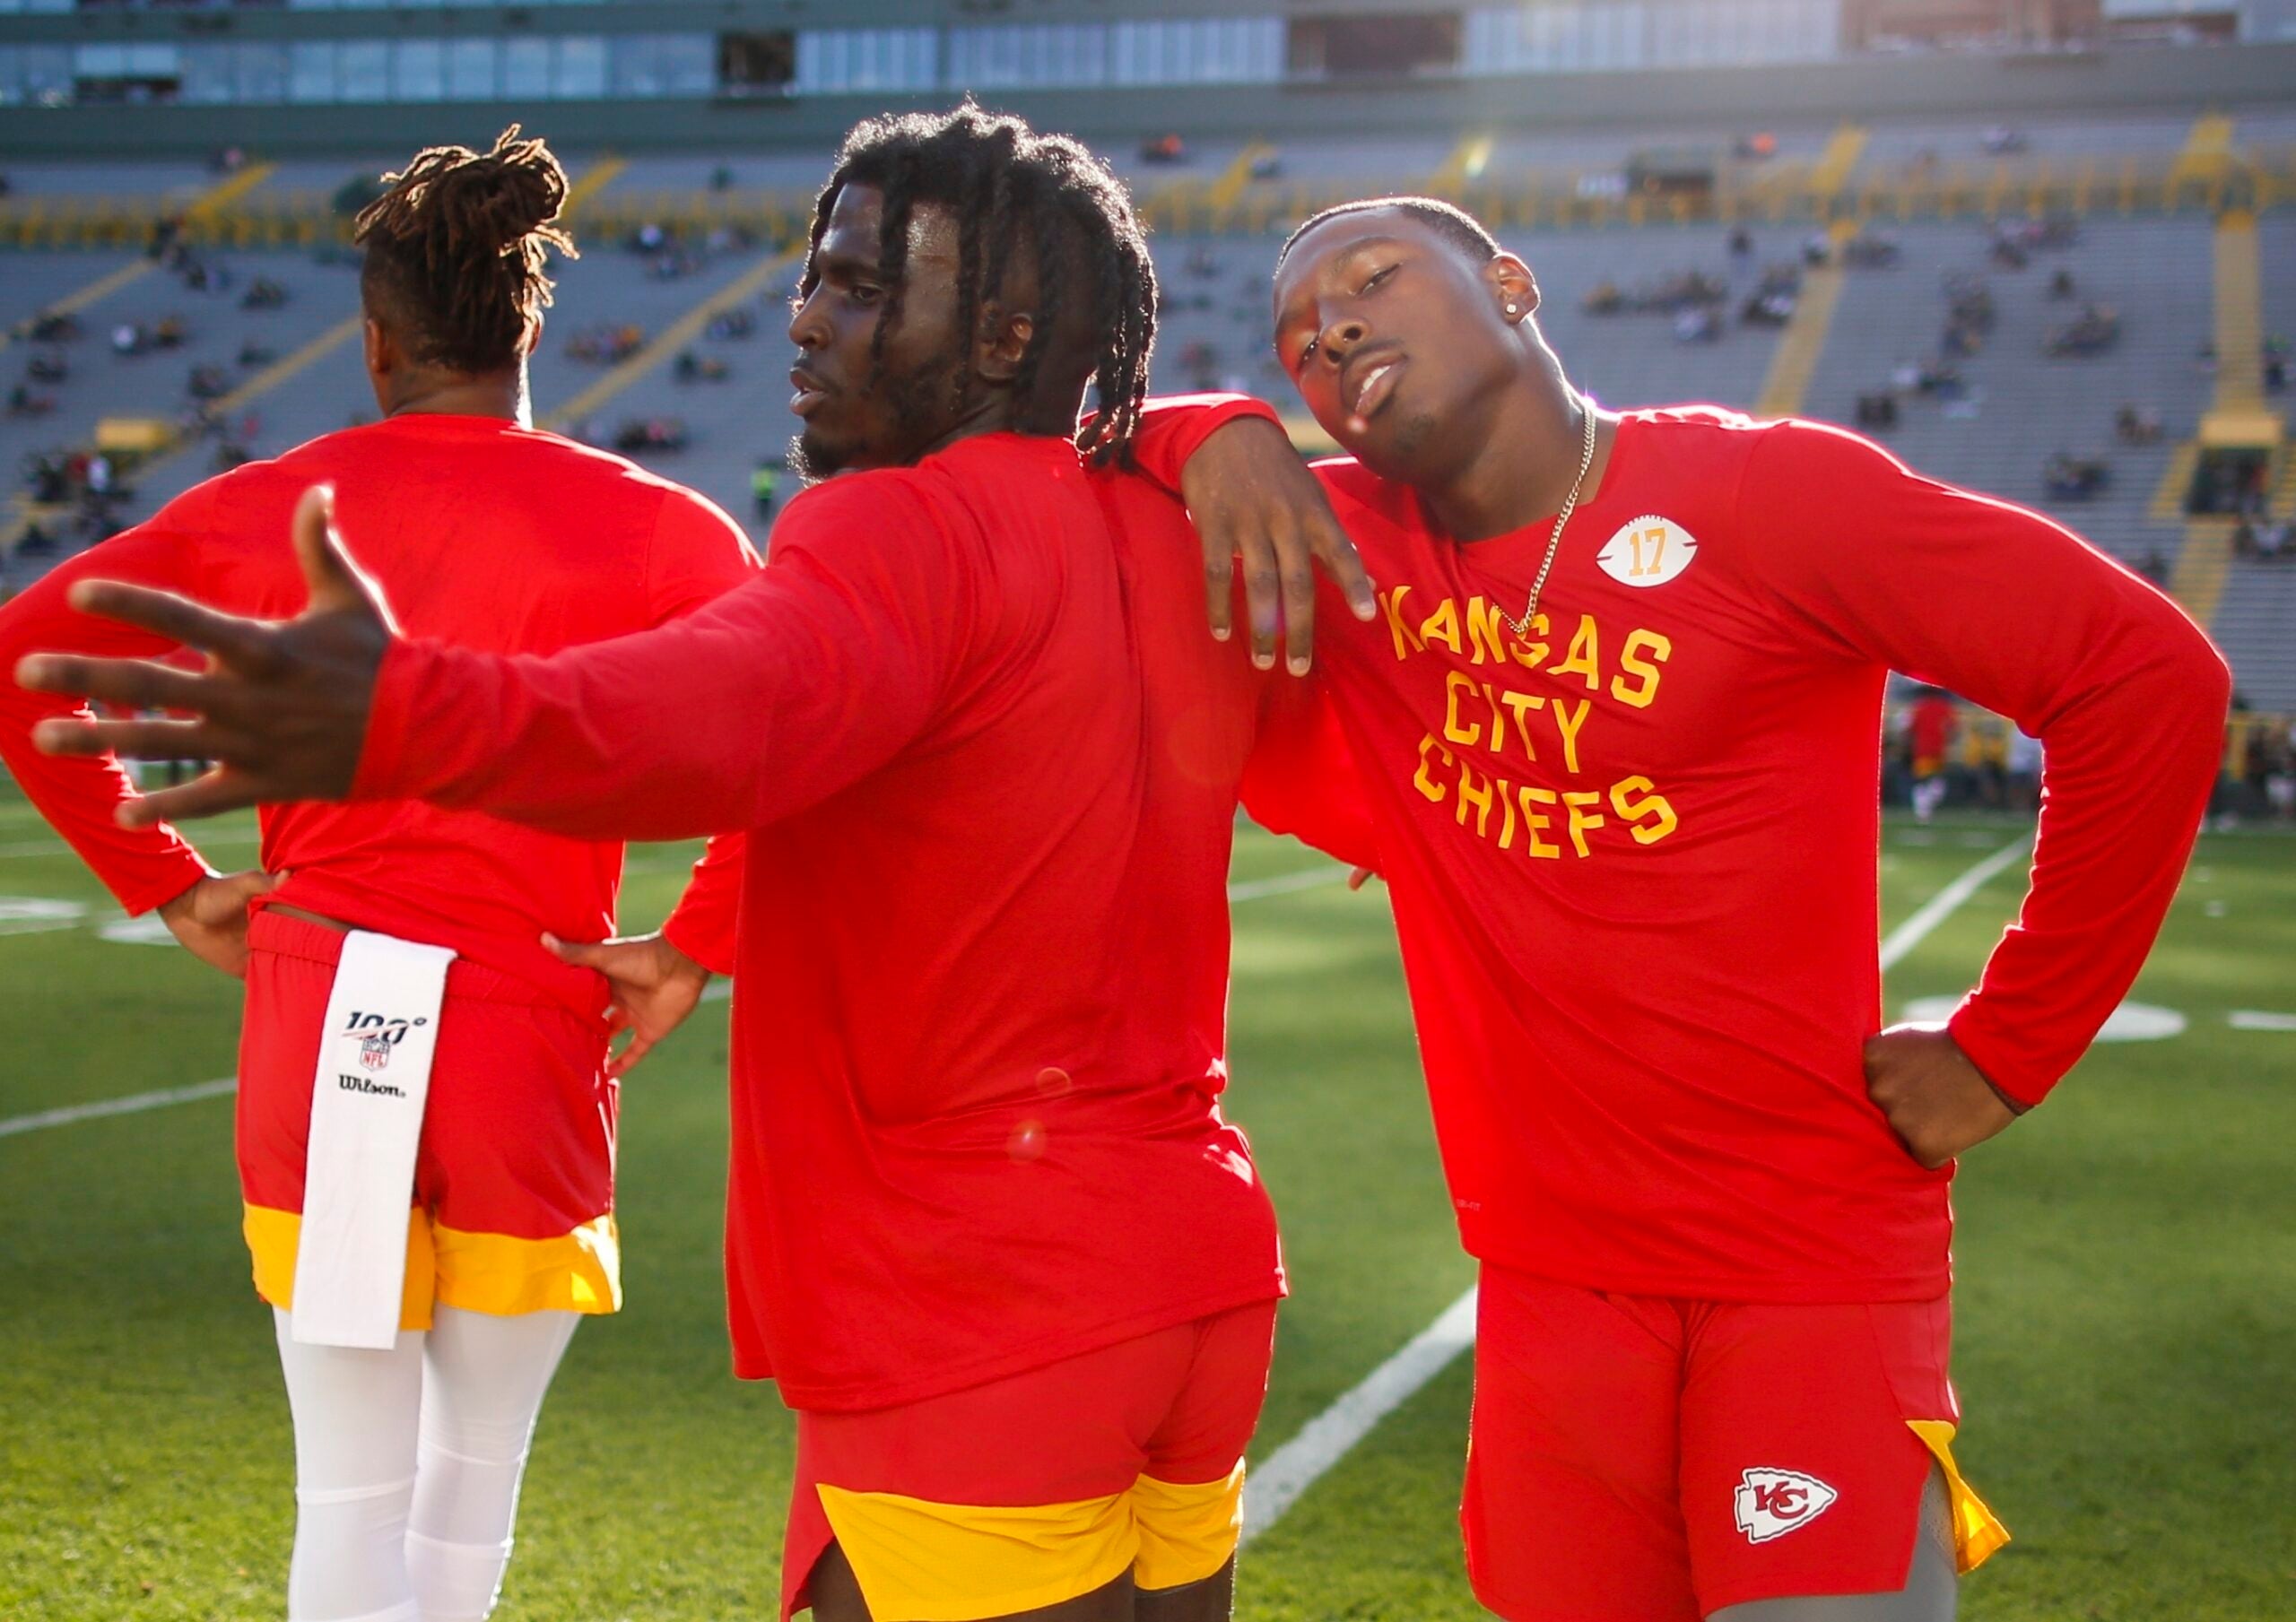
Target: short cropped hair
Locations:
point(1449, 221)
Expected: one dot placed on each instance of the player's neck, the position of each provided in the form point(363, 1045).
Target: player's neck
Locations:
point(1523, 464)
point(993, 412)
point(461, 394)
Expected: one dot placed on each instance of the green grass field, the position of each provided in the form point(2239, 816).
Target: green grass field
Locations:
point(2127, 1307)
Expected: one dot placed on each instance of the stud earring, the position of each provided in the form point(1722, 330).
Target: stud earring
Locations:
point(1510, 309)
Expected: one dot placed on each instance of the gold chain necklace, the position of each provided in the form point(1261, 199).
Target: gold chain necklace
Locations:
point(1522, 626)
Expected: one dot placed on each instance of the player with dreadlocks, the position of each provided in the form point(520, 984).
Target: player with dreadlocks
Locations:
point(412, 1432)
point(985, 1224)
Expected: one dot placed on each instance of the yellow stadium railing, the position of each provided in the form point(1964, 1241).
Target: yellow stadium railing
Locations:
point(2257, 178)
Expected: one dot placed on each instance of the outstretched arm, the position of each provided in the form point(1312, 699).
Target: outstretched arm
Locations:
point(143, 867)
point(1871, 561)
point(775, 696)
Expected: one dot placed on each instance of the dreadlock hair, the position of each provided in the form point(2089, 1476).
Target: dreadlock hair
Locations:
point(456, 250)
point(1449, 221)
point(1009, 186)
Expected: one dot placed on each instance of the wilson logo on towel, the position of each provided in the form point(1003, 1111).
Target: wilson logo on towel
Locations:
point(362, 1084)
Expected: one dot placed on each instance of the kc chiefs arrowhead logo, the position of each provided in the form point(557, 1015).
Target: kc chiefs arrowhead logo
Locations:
point(1772, 1503)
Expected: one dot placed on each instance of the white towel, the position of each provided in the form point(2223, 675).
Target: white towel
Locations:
point(374, 1075)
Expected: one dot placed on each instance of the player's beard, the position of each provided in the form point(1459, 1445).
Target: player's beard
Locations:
point(924, 401)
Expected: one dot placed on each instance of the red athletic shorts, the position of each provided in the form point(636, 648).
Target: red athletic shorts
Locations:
point(1041, 1486)
point(513, 1208)
point(1634, 1458)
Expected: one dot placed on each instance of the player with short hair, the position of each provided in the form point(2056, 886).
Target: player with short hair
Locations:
point(1619, 722)
point(986, 1225)
point(408, 1459)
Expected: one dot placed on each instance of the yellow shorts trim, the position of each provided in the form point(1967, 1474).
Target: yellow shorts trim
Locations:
point(920, 1561)
point(497, 1273)
point(1187, 1529)
point(1977, 1531)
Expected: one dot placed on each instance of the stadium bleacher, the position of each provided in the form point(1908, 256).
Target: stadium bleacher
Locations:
point(2019, 407)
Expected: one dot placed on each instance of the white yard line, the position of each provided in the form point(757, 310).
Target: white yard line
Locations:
point(1275, 1483)
point(1942, 906)
point(2256, 1018)
point(119, 1106)
point(717, 991)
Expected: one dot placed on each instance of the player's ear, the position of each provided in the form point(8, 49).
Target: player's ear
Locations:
point(1004, 339)
point(1512, 287)
point(380, 353)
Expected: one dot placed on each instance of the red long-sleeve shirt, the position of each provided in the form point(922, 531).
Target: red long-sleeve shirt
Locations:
point(483, 533)
point(989, 767)
point(1632, 854)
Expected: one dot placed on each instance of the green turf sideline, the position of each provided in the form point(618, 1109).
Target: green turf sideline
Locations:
point(718, 991)
point(1279, 1479)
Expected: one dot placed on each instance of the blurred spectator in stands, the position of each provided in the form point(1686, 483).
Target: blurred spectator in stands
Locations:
point(1816, 249)
point(1268, 165)
point(253, 353)
point(1742, 242)
point(47, 367)
point(1871, 250)
point(169, 333)
point(2001, 140)
point(2096, 329)
point(1603, 298)
point(2135, 426)
point(1696, 323)
point(36, 542)
point(2153, 567)
point(263, 293)
point(2264, 541)
point(23, 403)
point(1163, 148)
point(692, 367)
point(2024, 765)
point(99, 474)
point(738, 323)
point(6, 187)
point(228, 161)
point(128, 338)
point(721, 179)
point(765, 479)
point(1929, 729)
point(2070, 478)
point(1877, 411)
point(2060, 285)
point(50, 327)
point(2277, 760)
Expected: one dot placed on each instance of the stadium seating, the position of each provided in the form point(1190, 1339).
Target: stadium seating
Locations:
point(2022, 408)
point(2256, 620)
point(2028, 406)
